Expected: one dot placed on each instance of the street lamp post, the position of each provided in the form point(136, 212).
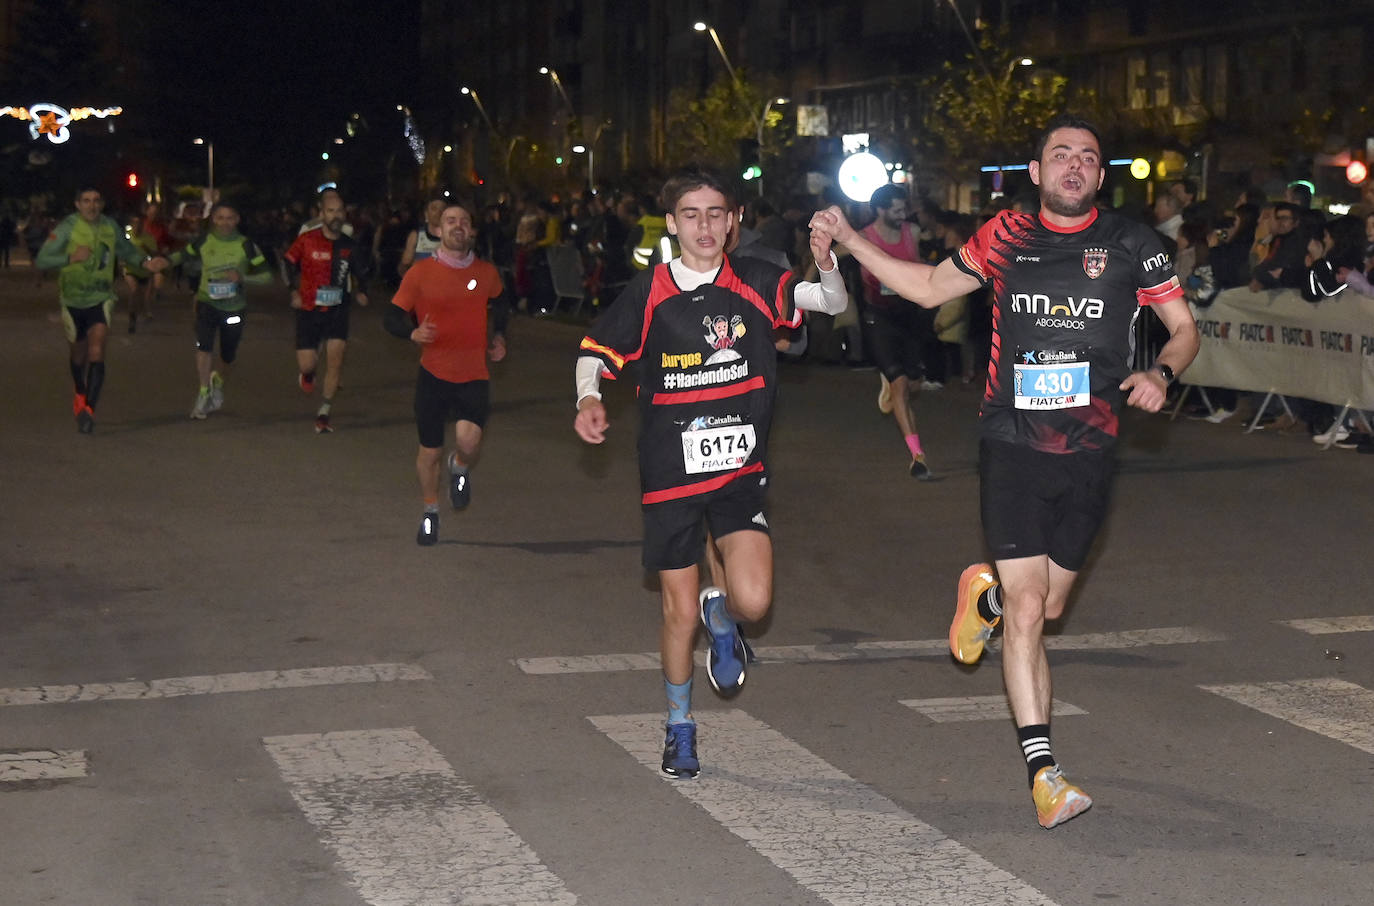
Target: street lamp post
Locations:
point(510, 150)
point(210, 164)
point(472, 92)
point(590, 150)
point(763, 119)
point(703, 27)
point(977, 51)
point(558, 83)
point(591, 163)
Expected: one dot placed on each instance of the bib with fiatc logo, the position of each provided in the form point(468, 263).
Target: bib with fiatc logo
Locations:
point(716, 449)
point(328, 296)
point(1051, 379)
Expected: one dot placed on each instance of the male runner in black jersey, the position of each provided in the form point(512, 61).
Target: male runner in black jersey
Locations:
point(1068, 285)
point(700, 329)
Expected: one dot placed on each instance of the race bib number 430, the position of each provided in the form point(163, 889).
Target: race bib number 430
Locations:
point(1051, 380)
point(716, 449)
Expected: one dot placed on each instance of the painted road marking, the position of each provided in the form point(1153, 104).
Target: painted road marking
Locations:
point(977, 707)
point(836, 837)
point(858, 651)
point(1328, 625)
point(213, 684)
point(43, 764)
point(405, 827)
point(1334, 708)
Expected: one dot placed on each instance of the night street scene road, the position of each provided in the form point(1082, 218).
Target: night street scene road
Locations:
point(607, 452)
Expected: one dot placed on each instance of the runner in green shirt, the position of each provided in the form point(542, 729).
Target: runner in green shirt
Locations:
point(228, 260)
point(83, 248)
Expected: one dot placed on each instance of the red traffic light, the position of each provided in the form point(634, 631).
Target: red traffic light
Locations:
point(1356, 172)
point(132, 181)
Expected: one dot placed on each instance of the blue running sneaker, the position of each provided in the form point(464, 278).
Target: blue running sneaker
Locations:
point(680, 751)
point(725, 664)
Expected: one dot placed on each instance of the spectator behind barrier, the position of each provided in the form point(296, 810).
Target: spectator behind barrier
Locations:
point(1283, 264)
point(1230, 255)
point(1339, 261)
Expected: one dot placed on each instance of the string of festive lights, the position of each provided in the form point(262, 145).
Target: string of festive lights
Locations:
point(51, 120)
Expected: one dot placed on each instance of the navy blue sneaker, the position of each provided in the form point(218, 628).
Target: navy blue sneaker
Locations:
point(429, 530)
point(680, 751)
point(459, 488)
point(725, 664)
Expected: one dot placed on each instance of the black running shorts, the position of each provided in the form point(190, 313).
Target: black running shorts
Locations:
point(1037, 504)
point(314, 327)
point(77, 322)
point(898, 338)
point(438, 401)
point(674, 531)
point(229, 326)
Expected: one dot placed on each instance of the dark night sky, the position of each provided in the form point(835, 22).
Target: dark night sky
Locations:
point(271, 82)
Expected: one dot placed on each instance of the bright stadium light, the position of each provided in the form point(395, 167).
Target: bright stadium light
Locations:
point(861, 175)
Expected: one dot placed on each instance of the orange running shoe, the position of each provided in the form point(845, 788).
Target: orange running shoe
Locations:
point(969, 630)
point(1057, 800)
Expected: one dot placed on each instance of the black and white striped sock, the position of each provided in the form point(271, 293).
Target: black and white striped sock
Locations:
point(1035, 745)
point(990, 604)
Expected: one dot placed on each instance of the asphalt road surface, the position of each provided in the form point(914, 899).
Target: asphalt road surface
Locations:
point(230, 676)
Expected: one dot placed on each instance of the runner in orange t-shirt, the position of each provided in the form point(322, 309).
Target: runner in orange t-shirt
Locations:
point(442, 307)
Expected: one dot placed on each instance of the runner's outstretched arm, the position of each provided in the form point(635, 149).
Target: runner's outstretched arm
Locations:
point(923, 284)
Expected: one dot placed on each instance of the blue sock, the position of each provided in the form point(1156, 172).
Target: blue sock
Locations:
point(721, 623)
point(679, 701)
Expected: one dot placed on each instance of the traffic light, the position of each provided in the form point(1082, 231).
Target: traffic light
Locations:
point(1357, 171)
point(131, 181)
point(749, 163)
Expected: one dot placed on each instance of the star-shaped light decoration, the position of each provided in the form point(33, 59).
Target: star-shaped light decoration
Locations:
point(51, 120)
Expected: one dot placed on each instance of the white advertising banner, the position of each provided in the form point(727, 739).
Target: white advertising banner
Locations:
point(1277, 341)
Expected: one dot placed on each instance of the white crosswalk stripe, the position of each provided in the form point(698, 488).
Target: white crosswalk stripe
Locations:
point(44, 764)
point(1332, 707)
point(405, 827)
point(858, 651)
point(213, 684)
point(1331, 625)
point(977, 707)
point(838, 838)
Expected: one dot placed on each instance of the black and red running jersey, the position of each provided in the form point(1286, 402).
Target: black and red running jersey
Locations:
point(1064, 311)
point(706, 371)
point(325, 265)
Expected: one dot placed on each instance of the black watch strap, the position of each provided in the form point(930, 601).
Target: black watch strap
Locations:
point(1165, 372)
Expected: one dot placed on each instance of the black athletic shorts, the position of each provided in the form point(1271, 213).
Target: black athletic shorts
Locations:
point(314, 327)
point(229, 326)
point(898, 337)
point(77, 322)
point(675, 535)
point(438, 401)
point(1037, 503)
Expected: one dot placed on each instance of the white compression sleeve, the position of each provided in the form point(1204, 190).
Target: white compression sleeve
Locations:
point(828, 296)
point(588, 377)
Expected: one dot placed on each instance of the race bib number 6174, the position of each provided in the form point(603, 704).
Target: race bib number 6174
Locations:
point(716, 449)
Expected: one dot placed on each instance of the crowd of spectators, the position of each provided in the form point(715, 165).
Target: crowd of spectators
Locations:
point(1265, 244)
point(604, 238)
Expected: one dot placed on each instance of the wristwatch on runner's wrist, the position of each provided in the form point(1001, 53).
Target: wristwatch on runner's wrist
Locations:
point(1165, 372)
